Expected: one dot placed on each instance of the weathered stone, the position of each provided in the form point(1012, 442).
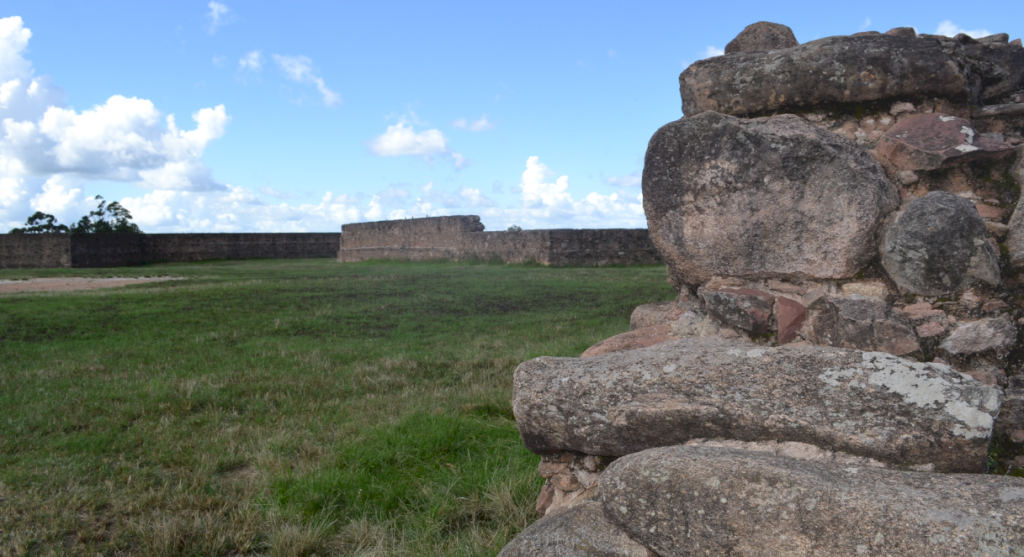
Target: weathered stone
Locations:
point(863, 403)
point(640, 338)
point(876, 290)
point(994, 306)
point(863, 325)
point(931, 329)
point(939, 246)
point(993, 333)
point(901, 107)
point(990, 212)
point(830, 70)
point(762, 36)
point(988, 375)
point(996, 70)
point(997, 38)
point(762, 198)
point(748, 309)
point(580, 531)
point(544, 499)
point(902, 32)
point(789, 317)
point(658, 313)
point(685, 501)
point(1015, 234)
point(1011, 417)
point(930, 141)
point(921, 311)
point(991, 110)
point(1016, 42)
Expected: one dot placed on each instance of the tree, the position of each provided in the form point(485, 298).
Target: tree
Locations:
point(515, 228)
point(106, 218)
point(96, 221)
point(41, 223)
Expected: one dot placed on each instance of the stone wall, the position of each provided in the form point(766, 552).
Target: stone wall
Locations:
point(118, 250)
point(20, 251)
point(459, 238)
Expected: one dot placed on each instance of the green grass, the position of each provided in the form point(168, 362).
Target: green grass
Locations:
point(284, 407)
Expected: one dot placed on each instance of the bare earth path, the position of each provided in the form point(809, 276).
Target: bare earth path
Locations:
point(73, 283)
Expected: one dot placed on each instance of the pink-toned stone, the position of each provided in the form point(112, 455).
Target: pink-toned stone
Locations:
point(640, 338)
point(990, 212)
point(930, 141)
point(746, 308)
point(931, 329)
point(994, 305)
point(548, 469)
point(920, 310)
point(789, 316)
point(565, 482)
point(547, 495)
point(657, 313)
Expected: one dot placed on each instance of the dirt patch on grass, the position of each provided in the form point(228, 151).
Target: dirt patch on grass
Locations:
point(74, 283)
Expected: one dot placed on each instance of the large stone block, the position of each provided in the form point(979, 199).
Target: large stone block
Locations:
point(762, 36)
point(863, 325)
point(930, 141)
point(580, 531)
point(684, 501)
point(864, 403)
point(939, 246)
point(762, 198)
point(826, 71)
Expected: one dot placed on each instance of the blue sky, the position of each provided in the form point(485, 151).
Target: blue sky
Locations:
point(303, 116)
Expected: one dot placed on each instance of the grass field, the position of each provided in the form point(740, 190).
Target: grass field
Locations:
point(285, 407)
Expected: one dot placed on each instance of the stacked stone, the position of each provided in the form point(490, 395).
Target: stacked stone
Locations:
point(838, 221)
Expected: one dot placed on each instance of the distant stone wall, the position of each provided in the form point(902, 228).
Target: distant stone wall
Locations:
point(118, 250)
point(21, 251)
point(459, 238)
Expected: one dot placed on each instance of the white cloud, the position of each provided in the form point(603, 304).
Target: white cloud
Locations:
point(217, 17)
point(630, 180)
point(48, 151)
point(480, 125)
point(266, 190)
point(220, 61)
point(251, 61)
point(950, 29)
point(867, 23)
point(711, 51)
point(401, 139)
point(300, 70)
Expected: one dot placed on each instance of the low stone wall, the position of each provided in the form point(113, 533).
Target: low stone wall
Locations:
point(119, 250)
point(460, 238)
point(24, 251)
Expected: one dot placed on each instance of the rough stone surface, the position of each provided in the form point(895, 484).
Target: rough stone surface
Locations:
point(761, 198)
point(762, 36)
point(995, 69)
point(830, 70)
point(993, 333)
point(939, 246)
point(580, 531)
point(862, 324)
point(685, 501)
point(902, 32)
point(1015, 234)
point(789, 318)
point(748, 309)
point(658, 313)
point(1011, 418)
point(930, 141)
point(863, 403)
point(640, 338)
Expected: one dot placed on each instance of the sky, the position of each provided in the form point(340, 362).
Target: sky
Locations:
point(250, 116)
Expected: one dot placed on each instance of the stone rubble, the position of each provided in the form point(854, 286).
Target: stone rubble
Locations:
point(843, 360)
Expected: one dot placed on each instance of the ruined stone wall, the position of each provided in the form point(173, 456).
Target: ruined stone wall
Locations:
point(460, 238)
point(119, 250)
point(22, 251)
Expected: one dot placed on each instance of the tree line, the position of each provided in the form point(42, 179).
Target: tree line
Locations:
point(106, 218)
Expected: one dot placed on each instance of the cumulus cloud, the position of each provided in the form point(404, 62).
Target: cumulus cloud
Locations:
point(252, 61)
point(300, 70)
point(48, 151)
point(480, 125)
point(867, 23)
point(401, 139)
point(217, 17)
point(711, 51)
point(950, 29)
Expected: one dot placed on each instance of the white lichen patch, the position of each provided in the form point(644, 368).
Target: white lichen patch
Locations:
point(928, 386)
point(966, 148)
